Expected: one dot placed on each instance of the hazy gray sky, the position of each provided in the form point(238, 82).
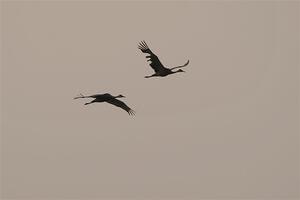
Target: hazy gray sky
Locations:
point(228, 128)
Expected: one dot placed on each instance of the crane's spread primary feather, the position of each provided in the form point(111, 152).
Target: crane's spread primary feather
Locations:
point(122, 105)
point(154, 60)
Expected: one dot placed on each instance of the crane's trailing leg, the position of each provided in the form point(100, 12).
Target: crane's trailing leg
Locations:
point(80, 96)
point(150, 76)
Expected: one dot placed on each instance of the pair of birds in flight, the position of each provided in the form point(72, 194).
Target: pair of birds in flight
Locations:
point(155, 64)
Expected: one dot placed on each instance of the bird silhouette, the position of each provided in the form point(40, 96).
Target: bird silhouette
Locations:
point(155, 63)
point(98, 98)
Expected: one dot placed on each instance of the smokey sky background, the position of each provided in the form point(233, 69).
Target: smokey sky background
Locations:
point(228, 128)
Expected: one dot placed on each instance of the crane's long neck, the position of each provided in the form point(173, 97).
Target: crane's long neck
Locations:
point(119, 96)
point(173, 72)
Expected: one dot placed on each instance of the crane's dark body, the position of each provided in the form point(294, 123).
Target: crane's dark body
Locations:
point(98, 98)
point(155, 63)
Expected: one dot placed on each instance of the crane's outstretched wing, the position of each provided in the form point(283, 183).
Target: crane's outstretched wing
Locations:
point(154, 61)
point(122, 105)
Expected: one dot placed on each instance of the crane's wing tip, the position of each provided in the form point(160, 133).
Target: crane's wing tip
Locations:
point(131, 112)
point(142, 45)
